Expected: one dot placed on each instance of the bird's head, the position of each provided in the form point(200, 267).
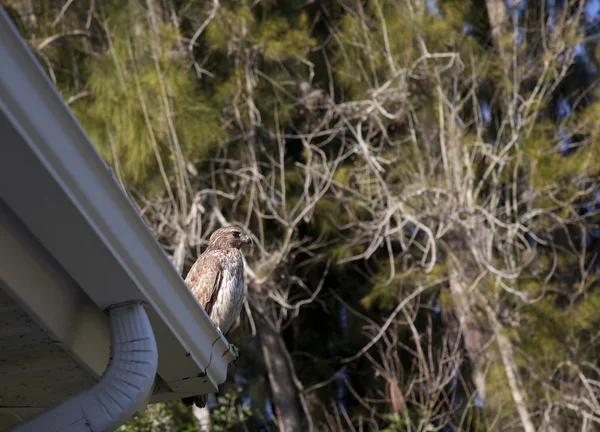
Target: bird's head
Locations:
point(229, 237)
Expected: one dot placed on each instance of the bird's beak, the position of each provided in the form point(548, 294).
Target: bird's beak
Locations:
point(246, 239)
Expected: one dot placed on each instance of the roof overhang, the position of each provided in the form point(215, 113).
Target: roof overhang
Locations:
point(63, 193)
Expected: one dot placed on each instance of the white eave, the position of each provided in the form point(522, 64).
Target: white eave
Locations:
point(63, 193)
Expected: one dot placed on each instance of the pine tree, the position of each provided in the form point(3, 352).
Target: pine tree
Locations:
point(421, 179)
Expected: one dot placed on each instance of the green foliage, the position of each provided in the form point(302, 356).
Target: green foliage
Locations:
point(178, 121)
point(175, 417)
point(275, 37)
point(547, 167)
point(386, 291)
point(228, 412)
point(278, 42)
point(399, 422)
point(142, 110)
point(162, 417)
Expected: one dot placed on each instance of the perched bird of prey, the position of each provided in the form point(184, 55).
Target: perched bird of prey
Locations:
point(217, 281)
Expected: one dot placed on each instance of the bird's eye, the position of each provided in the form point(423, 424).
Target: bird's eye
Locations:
point(236, 234)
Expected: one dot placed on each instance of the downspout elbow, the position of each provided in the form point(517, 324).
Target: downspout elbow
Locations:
point(124, 386)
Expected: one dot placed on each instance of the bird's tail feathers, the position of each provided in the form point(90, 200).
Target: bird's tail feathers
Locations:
point(199, 401)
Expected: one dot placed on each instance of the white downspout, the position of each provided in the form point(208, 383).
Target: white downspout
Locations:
point(122, 389)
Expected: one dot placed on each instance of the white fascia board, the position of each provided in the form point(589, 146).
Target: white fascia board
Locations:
point(49, 296)
point(54, 180)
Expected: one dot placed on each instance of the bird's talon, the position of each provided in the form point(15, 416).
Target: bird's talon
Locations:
point(233, 364)
point(234, 350)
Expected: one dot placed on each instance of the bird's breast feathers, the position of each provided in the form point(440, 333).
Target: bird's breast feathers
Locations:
point(231, 295)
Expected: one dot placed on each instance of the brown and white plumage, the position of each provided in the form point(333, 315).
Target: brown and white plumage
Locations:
point(217, 281)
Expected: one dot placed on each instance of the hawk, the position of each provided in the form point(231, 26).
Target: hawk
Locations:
point(217, 281)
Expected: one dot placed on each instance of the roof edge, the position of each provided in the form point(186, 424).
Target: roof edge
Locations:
point(53, 136)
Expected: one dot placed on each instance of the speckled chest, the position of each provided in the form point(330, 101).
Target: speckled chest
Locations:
point(231, 295)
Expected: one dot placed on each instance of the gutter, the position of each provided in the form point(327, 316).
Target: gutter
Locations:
point(121, 391)
point(69, 200)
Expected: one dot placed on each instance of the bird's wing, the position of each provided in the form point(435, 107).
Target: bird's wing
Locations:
point(205, 277)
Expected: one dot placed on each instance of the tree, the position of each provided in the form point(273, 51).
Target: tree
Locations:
point(421, 179)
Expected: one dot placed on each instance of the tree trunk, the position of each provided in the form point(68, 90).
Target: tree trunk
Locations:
point(472, 334)
point(203, 417)
point(512, 374)
point(498, 18)
point(283, 389)
point(22, 12)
